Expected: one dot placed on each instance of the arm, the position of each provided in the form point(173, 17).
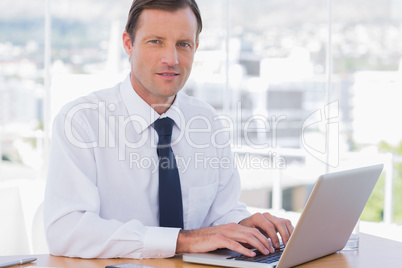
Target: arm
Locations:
point(251, 232)
point(232, 236)
point(72, 218)
point(226, 212)
point(238, 237)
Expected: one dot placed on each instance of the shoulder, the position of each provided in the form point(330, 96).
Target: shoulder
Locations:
point(192, 106)
point(199, 114)
point(92, 103)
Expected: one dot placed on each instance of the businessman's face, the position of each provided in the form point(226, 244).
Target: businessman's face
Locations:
point(162, 53)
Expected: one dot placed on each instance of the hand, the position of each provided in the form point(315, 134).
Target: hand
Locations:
point(269, 225)
point(232, 236)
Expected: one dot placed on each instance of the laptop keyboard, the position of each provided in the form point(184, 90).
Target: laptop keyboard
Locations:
point(259, 257)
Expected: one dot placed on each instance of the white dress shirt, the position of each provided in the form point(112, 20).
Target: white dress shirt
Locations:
point(102, 190)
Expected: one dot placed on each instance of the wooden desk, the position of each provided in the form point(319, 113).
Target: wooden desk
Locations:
point(373, 252)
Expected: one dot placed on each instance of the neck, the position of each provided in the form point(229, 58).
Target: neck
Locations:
point(162, 106)
point(159, 103)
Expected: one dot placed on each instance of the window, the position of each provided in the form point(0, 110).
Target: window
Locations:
point(311, 86)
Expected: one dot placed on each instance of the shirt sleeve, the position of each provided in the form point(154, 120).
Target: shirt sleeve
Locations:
point(226, 207)
point(72, 218)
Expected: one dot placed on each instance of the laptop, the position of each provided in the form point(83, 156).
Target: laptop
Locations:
point(328, 218)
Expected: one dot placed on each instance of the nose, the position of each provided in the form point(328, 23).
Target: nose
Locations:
point(170, 56)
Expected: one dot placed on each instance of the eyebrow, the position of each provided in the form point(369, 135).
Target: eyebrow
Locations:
point(154, 37)
point(190, 41)
point(185, 40)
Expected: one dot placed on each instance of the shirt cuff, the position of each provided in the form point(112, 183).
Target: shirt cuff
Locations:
point(160, 242)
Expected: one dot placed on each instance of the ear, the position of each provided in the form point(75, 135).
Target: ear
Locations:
point(127, 44)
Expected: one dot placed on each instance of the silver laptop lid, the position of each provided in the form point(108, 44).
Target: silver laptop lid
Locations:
point(328, 218)
point(330, 214)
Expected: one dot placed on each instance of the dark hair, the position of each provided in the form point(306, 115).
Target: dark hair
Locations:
point(169, 5)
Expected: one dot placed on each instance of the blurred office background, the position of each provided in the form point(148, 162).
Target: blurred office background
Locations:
point(317, 84)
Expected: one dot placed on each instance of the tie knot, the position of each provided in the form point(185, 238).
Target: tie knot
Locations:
point(163, 126)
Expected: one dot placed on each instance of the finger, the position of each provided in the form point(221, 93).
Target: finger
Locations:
point(283, 226)
point(267, 227)
point(236, 246)
point(270, 229)
point(285, 229)
point(263, 239)
point(289, 226)
point(250, 236)
point(254, 238)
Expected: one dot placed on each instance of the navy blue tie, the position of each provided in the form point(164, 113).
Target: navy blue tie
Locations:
point(170, 200)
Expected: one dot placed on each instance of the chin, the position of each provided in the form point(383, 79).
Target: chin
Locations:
point(169, 92)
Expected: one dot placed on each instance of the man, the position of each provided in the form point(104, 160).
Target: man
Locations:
point(104, 195)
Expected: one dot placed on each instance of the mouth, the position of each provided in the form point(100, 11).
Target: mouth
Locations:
point(168, 74)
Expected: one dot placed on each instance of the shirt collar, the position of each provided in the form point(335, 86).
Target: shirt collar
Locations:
point(143, 115)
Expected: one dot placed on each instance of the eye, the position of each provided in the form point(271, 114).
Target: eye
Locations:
point(184, 45)
point(155, 41)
